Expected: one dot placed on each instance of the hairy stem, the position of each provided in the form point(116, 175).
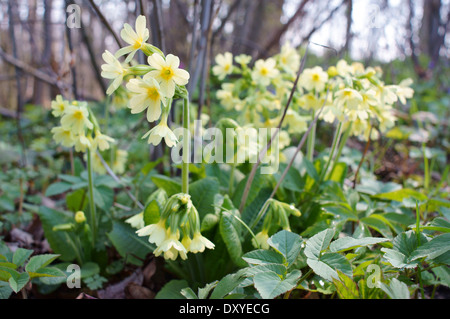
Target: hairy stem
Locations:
point(186, 150)
point(93, 217)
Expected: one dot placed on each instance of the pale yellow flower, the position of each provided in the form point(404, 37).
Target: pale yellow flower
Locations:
point(296, 122)
point(112, 70)
point(171, 247)
point(226, 97)
point(348, 98)
point(404, 91)
point(101, 141)
point(387, 94)
point(120, 159)
point(82, 143)
point(76, 118)
point(97, 164)
point(63, 136)
point(157, 232)
point(289, 59)
point(59, 106)
point(313, 79)
point(284, 139)
point(147, 94)
point(243, 59)
point(135, 39)
point(224, 65)
point(343, 68)
point(161, 131)
point(264, 71)
point(199, 243)
point(167, 73)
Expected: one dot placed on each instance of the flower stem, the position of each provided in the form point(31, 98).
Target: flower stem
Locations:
point(231, 183)
point(93, 217)
point(311, 141)
point(342, 143)
point(337, 136)
point(186, 148)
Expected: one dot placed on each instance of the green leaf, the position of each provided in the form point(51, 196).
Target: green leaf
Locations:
point(18, 281)
point(279, 269)
point(62, 243)
point(349, 243)
point(6, 204)
point(372, 187)
point(5, 290)
point(172, 290)
point(21, 255)
point(226, 285)
point(396, 289)
point(89, 269)
point(229, 231)
point(443, 274)
point(70, 179)
point(188, 293)
point(328, 265)
point(129, 244)
point(203, 293)
point(319, 242)
point(438, 224)
point(40, 261)
point(47, 272)
point(401, 194)
point(258, 183)
point(403, 247)
point(434, 248)
point(151, 213)
point(339, 173)
point(346, 287)
point(103, 197)
point(286, 243)
point(77, 200)
point(270, 285)
point(261, 257)
point(168, 184)
point(209, 221)
point(378, 223)
point(105, 180)
point(8, 265)
point(57, 188)
point(203, 193)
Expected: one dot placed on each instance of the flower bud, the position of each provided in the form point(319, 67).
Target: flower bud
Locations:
point(80, 217)
point(332, 71)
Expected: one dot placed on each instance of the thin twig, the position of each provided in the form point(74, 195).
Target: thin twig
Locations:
point(264, 151)
point(117, 179)
point(19, 110)
point(160, 27)
point(299, 147)
point(362, 158)
point(105, 22)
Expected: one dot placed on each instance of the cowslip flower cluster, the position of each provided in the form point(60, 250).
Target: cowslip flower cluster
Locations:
point(350, 93)
point(78, 127)
point(151, 87)
point(259, 92)
point(358, 97)
point(178, 230)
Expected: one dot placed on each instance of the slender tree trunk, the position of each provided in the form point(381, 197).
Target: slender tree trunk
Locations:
point(42, 90)
point(348, 30)
point(12, 13)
